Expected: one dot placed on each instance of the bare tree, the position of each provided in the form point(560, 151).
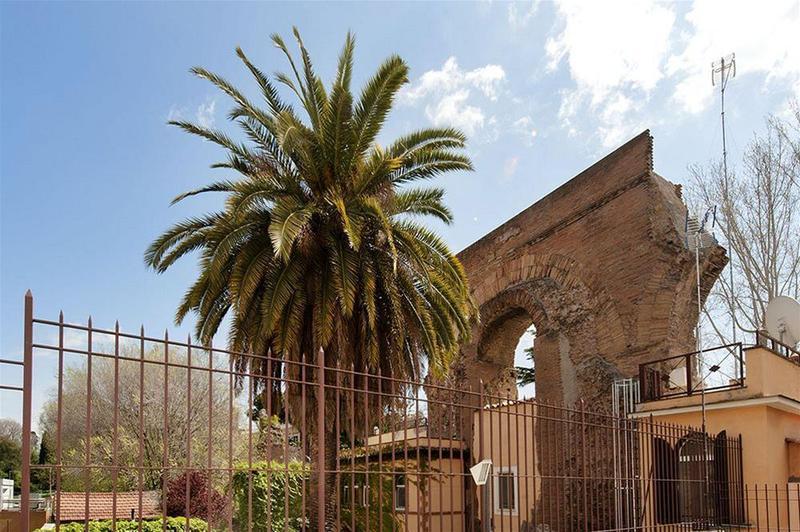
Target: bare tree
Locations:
point(194, 423)
point(759, 221)
point(11, 430)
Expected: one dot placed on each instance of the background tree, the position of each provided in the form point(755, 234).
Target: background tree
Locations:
point(11, 430)
point(759, 222)
point(188, 421)
point(317, 245)
point(527, 374)
point(10, 449)
point(203, 501)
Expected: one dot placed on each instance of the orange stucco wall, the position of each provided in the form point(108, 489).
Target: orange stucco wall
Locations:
point(766, 412)
point(505, 434)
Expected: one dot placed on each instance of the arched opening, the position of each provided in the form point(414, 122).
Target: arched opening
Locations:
point(502, 348)
point(524, 363)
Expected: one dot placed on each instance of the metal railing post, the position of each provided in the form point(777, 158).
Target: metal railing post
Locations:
point(27, 393)
point(321, 439)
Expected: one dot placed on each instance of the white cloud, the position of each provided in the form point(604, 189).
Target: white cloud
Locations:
point(524, 127)
point(510, 167)
point(521, 13)
point(205, 113)
point(176, 113)
point(452, 110)
point(487, 79)
point(612, 44)
point(764, 35)
point(616, 53)
point(453, 96)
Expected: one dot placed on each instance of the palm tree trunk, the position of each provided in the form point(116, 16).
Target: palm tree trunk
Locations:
point(327, 469)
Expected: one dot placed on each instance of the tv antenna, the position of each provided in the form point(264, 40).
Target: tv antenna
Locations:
point(697, 234)
point(722, 71)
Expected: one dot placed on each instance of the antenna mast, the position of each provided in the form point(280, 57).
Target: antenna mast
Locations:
point(696, 228)
point(721, 72)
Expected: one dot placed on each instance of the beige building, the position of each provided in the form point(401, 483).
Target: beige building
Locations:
point(575, 469)
point(759, 401)
point(505, 434)
point(764, 407)
point(415, 480)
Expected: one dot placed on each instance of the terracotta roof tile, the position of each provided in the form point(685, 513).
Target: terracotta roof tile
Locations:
point(73, 504)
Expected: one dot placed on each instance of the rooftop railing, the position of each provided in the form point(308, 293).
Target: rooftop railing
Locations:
point(708, 370)
point(776, 346)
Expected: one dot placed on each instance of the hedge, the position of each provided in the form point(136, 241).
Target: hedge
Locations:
point(271, 482)
point(174, 524)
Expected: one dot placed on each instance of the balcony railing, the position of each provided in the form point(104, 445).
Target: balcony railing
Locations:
point(776, 346)
point(713, 369)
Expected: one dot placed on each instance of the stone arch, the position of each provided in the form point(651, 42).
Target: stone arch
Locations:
point(600, 267)
point(558, 296)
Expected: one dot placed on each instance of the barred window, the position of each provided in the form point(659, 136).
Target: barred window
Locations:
point(505, 484)
point(400, 492)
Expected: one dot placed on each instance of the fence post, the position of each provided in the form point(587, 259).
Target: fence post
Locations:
point(27, 392)
point(321, 439)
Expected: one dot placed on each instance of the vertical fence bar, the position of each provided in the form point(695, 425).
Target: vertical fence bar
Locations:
point(209, 462)
point(268, 390)
point(187, 472)
point(27, 395)
point(584, 470)
point(88, 471)
point(366, 492)
point(353, 448)
point(115, 444)
point(231, 505)
point(286, 424)
point(164, 472)
point(336, 443)
point(59, 418)
point(380, 453)
point(140, 457)
point(306, 381)
point(321, 440)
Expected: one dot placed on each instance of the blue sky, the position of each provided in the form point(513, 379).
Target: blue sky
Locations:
point(543, 89)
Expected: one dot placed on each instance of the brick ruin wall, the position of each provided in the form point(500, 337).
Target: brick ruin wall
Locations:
point(600, 267)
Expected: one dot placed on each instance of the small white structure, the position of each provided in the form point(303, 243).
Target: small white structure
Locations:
point(6, 493)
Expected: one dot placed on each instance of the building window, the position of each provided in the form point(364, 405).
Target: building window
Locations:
point(400, 493)
point(794, 460)
point(505, 489)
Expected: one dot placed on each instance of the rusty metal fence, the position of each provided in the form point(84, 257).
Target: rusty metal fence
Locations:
point(147, 431)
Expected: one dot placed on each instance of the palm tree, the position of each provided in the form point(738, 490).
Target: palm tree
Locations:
point(319, 243)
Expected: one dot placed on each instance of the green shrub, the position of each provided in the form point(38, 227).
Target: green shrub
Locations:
point(174, 524)
point(272, 483)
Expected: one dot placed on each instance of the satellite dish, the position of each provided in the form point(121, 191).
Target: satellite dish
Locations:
point(782, 320)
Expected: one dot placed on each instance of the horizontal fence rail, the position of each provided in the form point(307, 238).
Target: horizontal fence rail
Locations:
point(146, 432)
